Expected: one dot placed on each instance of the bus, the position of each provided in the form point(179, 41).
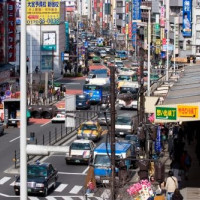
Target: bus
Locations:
point(122, 54)
point(95, 91)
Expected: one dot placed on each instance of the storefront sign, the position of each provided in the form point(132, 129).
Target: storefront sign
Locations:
point(188, 111)
point(187, 18)
point(136, 10)
point(134, 32)
point(11, 30)
point(166, 113)
point(43, 12)
point(67, 36)
point(130, 30)
point(2, 29)
point(176, 29)
point(162, 16)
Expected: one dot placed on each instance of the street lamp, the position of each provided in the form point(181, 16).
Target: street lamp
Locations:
point(149, 43)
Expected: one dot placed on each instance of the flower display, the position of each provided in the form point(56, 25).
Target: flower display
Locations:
point(141, 190)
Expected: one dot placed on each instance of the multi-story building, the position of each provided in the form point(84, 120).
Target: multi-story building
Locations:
point(120, 15)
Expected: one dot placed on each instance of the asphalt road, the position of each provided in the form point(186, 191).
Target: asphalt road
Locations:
point(70, 184)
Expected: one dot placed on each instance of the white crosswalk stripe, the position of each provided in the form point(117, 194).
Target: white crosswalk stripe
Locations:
point(61, 187)
point(105, 194)
point(33, 198)
point(75, 189)
point(12, 184)
point(51, 198)
point(4, 180)
point(67, 198)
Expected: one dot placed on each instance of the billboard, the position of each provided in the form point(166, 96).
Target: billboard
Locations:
point(187, 18)
point(43, 12)
point(136, 10)
point(47, 61)
point(11, 30)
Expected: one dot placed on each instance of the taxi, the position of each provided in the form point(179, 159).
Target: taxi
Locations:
point(90, 130)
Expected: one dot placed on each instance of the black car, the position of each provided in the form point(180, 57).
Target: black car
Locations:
point(82, 101)
point(40, 178)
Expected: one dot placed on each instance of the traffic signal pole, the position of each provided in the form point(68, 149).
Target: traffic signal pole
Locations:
point(112, 145)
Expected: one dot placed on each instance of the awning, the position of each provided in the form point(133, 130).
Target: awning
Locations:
point(150, 103)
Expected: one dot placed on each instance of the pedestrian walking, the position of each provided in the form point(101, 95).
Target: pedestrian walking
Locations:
point(90, 181)
point(176, 169)
point(177, 195)
point(171, 185)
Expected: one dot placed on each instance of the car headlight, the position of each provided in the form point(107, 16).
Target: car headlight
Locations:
point(17, 183)
point(39, 185)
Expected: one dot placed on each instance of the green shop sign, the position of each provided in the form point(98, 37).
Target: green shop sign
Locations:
point(48, 47)
point(166, 113)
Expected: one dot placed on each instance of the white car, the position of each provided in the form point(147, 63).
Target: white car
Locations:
point(103, 53)
point(81, 151)
point(60, 117)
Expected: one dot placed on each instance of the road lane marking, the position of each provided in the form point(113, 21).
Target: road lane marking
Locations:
point(4, 180)
point(84, 172)
point(12, 184)
point(51, 198)
point(105, 194)
point(75, 189)
point(14, 139)
point(45, 124)
point(68, 173)
point(34, 198)
point(67, 198)
point(61, 187)
point(5, 195)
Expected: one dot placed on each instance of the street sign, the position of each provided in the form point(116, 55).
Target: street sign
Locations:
point(166, 113)
point(86, 44)
point(188, 111)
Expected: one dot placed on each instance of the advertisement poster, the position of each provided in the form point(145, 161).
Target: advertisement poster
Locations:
point(46, 64)
point(11, 30)
point(43, 12)
point(136, 10)
point(158, 141)
point(187, 18)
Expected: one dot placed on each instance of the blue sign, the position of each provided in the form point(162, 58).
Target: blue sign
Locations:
point(62, 56)
point(134, 33)
point(187, 18)
point(67, 36)
point(158, 141)
point(136, 10)
point(86, 44)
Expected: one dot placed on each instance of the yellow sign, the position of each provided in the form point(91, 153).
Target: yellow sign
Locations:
point(188, 111)
point(43, 12)
point(162, 33)
point(127, 29)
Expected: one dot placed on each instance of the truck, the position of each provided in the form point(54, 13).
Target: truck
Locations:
point(102, 161)
point(12, 112)
point(128, 95)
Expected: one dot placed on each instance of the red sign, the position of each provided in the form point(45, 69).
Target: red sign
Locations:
point(2, 57)
point(11, 30)
point(130, 30)
point(127, 7)
point(95, 4)
point(164, 41)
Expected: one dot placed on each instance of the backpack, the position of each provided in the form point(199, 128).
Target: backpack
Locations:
point(187, 160)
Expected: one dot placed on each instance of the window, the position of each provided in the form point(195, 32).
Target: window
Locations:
point(198, 35)
point(198, 19)
point(198, 49)
point(197, 3)
point(120, 4)
point(120, 16)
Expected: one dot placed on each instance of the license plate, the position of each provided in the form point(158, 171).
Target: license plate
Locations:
point(121, 133)
point(13, 122)
point(105, 181)
point(29, 190)
point(77, 161)
point(80, 104)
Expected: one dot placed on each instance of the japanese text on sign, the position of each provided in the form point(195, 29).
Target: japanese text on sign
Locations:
point(43, 12)
point(188, 111)
point(166, 113)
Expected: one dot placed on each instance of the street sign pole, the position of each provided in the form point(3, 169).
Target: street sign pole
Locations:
point(23, 106)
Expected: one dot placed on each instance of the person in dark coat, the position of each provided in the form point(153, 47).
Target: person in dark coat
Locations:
point(177, 195)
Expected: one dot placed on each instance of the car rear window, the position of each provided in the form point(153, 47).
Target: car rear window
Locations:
point(89, 127)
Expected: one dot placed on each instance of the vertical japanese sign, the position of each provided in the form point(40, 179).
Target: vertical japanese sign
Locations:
point(67, 36)
point(136, 10)
point(176, 29)
point(130, 30)
point(11, 30)
point(134, 32)
point(187, 18)
point(158, 141)
point(162, 16)
point(2, 53)
point(145, 37)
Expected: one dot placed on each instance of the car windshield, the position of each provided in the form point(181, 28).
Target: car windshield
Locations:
point(102, 160)
point(131, 137)
point(123, 77)
point(128, 90)
point(80, 146)
point(123, 121)
point(37, 171)
point(89, 127)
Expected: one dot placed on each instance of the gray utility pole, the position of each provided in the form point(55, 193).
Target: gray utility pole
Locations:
point(141, 115)
point(112, 145)
point(52, 74)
